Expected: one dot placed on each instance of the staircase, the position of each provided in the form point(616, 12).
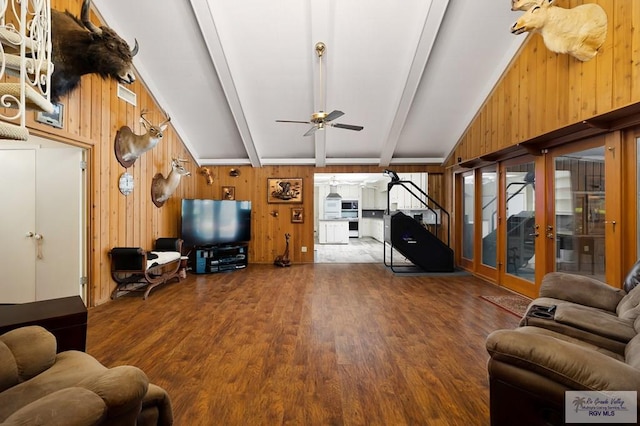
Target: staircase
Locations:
point(423, 246)
point(25, 64)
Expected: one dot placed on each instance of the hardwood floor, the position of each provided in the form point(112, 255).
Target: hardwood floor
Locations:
point(323, 344)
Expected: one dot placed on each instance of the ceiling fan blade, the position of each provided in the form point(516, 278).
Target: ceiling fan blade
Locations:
point(347, 126)
point(333, 115)
point(311, 131)
point(291, 121)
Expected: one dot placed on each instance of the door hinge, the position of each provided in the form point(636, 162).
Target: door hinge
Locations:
point(83, 165)
point(83, 281)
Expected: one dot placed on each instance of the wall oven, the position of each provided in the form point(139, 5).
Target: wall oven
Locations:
point(353, 228)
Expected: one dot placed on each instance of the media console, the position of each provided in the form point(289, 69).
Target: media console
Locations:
point(219, 258)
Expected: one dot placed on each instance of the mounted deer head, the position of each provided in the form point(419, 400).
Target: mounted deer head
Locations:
point(162, 188)
point(129, 147)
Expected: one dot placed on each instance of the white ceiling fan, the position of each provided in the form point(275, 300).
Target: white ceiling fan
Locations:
point(321, 119)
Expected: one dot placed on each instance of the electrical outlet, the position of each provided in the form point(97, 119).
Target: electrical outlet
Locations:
point(304, 249)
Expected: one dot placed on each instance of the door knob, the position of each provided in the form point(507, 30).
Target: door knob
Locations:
point(29, 234)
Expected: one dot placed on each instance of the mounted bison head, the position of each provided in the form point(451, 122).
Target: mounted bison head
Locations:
point(79, 47)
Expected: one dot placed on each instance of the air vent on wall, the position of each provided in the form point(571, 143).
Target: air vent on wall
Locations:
point(127, 95)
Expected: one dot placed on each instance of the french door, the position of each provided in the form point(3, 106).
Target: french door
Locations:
point(584, 231)
point(520, 216)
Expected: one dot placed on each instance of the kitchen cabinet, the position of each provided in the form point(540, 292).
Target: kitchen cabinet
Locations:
point(333, 231)
point(402, 199)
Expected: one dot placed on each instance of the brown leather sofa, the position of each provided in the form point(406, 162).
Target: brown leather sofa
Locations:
point(531, 368)
point(588, 309)
point(40, 387)
point(580, 334)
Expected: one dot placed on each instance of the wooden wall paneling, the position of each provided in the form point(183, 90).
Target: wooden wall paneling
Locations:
point(588, 90)
point(635, 51)
point(550, 115)
point(486, 128)
point(604, 64)
point(526, 82)
point(104, 207)
point(506, 119)
point(85, 106)
point(514, 91)
point(496, 126)
point(621, 53)
point(539, 74)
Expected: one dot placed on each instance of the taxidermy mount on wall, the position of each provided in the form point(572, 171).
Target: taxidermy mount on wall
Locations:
point(579, 31)
point(129, 147)
point(162, 188)
point(79, 47)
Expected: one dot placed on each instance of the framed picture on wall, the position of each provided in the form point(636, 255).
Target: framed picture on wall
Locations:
point(228, 192)
point(297, 215)
point(284, 190)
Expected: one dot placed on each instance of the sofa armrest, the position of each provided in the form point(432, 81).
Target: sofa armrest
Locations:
point(568, 364)
point(582, 290)
point(121, 388)
point(67, 407)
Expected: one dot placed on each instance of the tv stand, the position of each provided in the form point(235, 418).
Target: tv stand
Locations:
point(220, 258)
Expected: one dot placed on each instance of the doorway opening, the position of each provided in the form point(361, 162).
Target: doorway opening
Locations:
point(349, 211)
point(43, 216)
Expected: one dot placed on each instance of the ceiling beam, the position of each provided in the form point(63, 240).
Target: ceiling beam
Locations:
point(216, 52)
point(430, 30)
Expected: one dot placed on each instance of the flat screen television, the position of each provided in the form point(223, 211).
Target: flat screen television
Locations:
point(211, 222)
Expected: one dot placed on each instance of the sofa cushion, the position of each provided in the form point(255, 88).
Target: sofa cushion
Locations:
point(31, 350)
point(88, 409)
point(8, 368)
point(582, 290)
point(70, 368)
point(629, 306)
point(595, 321)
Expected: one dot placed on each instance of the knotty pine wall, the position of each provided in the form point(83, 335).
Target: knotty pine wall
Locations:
point(267, 230)
point(543, 91)
point(93, 114)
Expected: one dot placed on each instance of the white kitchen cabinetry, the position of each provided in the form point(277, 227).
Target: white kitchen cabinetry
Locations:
point(333, 232)
point(401, 198)
point(377, 229)
point(368, 198)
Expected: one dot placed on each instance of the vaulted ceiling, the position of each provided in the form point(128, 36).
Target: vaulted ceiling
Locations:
point(412, 73)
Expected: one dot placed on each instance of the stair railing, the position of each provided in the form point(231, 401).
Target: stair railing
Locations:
point(437, 214)
point(25, 54)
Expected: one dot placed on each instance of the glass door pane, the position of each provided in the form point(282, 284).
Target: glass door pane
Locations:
point(489, 196)
point(520, 220)
point(580, 212)
point(468, 199)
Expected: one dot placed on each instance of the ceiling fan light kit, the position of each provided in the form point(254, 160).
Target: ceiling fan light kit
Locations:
point(321, 119)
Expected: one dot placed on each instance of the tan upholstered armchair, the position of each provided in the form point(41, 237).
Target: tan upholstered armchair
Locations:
point(40, 387)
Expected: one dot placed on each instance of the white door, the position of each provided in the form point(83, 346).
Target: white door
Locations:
point(17, 221)
point(44, 199)
point(59, 219)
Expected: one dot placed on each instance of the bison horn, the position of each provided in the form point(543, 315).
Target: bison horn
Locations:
point(134, 51)
point(86, 4)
